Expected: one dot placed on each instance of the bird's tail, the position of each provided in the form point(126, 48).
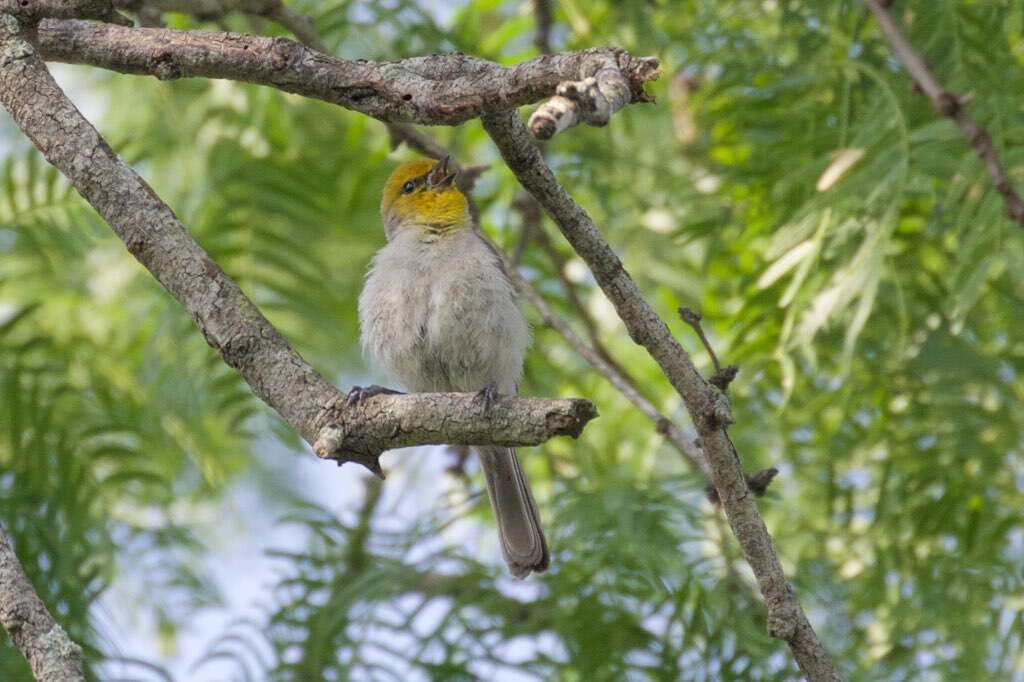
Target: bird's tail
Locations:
point(522, 540)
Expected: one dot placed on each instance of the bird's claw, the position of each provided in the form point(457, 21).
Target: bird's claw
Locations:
point(361, 393)
point(487, 396)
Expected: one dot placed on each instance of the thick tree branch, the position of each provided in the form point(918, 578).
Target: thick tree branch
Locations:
point(228, 320)
point(951, 106)
point(304, 31)
point(435, 90)
point(452, 418)
point(51, 655)
point(708, 407)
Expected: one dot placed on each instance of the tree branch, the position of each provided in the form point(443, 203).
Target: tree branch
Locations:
point(708, 406)
point(623, 384)
point(435, 90)
point(951, 106)
point(448, 418)
point(542, 25)
point(34, 10)
point(228, 320)
point(51, 655)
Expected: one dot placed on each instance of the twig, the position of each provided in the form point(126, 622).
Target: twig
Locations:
point(951, 106)
point(31, 11)
point(227, 318)
point(693, 318)
point(542, 21)
point(301, 27)
point(706, 404)
point(358, 555)
point(686, 447)
point(559, 263)
point(530, 216)
point(723, 376)
point(435, 90)
point(51, 655)
point(758, 484)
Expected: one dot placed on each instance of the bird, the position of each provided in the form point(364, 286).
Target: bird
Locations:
point(439, 313)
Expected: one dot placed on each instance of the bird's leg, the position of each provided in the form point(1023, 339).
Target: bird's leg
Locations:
point(361, 393)
point(488, 395)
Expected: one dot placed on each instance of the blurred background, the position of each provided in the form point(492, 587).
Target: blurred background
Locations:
point(844, 244)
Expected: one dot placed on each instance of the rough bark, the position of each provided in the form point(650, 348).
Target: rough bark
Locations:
point(51, 655)
point(228, 320)
point(708, 407)
point(450, 418)
point(435, 90)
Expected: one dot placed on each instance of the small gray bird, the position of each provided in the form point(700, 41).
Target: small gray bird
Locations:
point(439, 314)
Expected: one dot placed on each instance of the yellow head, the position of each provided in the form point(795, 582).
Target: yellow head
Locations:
point(422, 194)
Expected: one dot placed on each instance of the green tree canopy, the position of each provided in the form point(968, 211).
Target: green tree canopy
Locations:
point(844, 242)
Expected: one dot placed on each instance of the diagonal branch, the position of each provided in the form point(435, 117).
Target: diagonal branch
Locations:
point(51, 655)
point(951, 106)
point(228, 320)
point(435, 90)
point(708, 406)
point(623, 383)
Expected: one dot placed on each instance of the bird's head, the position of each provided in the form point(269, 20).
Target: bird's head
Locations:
point(422, 195)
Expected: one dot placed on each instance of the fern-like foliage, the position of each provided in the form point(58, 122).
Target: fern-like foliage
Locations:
point(844, 243)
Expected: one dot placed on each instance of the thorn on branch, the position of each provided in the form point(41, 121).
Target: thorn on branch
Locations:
point(948, 104)
point(757, 483)
point(724, 376)
point(760, 481)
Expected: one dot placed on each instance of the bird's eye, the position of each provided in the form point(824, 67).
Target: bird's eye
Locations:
point(408, 187)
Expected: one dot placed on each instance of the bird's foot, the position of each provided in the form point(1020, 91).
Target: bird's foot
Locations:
point(361, 393)
point(487, 396)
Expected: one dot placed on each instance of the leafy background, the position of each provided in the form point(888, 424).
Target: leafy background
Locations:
point(845, 247)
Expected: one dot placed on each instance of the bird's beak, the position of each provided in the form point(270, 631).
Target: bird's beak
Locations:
point(439, 177)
